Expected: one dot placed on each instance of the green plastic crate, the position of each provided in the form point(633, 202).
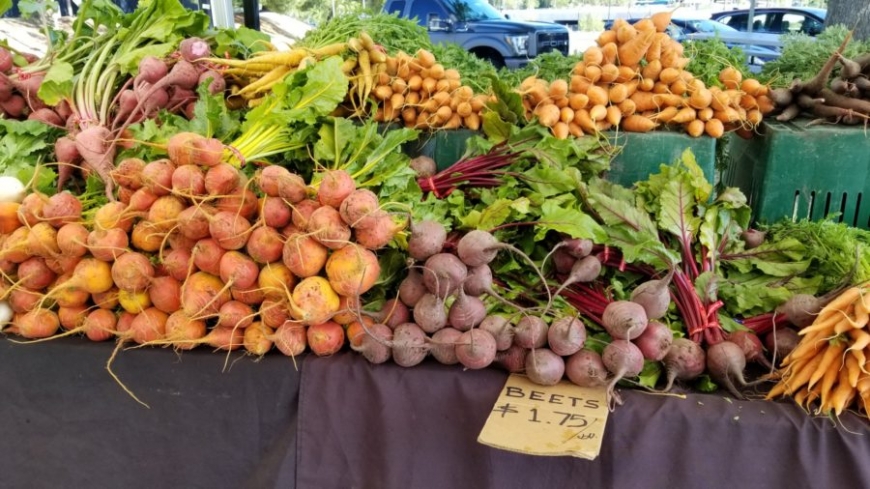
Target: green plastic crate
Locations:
point(643, 153)
point(794, 171)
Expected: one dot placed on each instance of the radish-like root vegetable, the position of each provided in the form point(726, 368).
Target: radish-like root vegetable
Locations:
point(193, 49)
point(802, 309)
point(623, 359)
point(96, 146)
point(107, 245)
point(424, 166)
point(62, 208)
point(68, 159)
point(624, 320)
point(326, 226)
point(585, 269)
point(352, 270)
point(132, 272)
point(374, 344)
point(566, 336)
point(443, 345)
point(36, 324)
point(409, 345)
point(586, 369)
point(685, 361)
point(513, 359)
point(302, 212)
point(230, 230)
point(325, 338)
point(165, 294)
point(313, 301)
point(726, 362)
point(258, 339)
point(501, 329)
point(752, 348)
point(360, 204)
point(291, 339)
point(429, 313)
point(530, 332)
point(412, 288)
point(157, 177)
point(335, 186)
point(753, 238)
point(544, 367)
point(235, 314)
point(265, 245)
point(275, 279)
point(780, 342)
point(466, 311)
point(393, 313)
point(203, 294)
point(216, 82)
point(476, 349)
point(149, 326)
point(443, 273)
point(656, 341)
point(427, 238)
point(654, 296)
point(304, 256)
point(99, 325)
point(478, 248)
point(193, 222)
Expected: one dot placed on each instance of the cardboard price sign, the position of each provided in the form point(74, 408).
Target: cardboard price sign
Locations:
point(563, 419)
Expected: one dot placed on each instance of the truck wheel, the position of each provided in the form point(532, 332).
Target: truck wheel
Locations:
point(490, 55)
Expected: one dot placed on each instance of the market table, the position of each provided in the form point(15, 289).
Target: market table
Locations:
point(64, 422)
point(382, 426)
point(345, 423)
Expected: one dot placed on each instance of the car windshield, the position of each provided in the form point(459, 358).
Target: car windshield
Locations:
point(708, 26)
point(472, 10)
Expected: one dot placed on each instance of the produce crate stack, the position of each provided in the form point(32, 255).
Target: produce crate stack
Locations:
point(797, 171)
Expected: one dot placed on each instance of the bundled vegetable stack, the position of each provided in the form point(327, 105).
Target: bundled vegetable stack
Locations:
point(634, 79)
point(421, 93)
point(17, 89)
point(194, 253)
point(843, 99)
point(828, 368)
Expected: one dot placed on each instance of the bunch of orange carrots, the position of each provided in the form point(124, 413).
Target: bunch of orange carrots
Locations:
point(830, 367)
point(634, 79)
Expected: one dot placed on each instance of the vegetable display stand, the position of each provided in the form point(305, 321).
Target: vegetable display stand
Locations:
point(641, 154)
point(445, 147)
point(797, 171)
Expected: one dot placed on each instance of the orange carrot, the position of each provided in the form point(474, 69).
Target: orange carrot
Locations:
point(609, 51)
point(578, 101)
point(626, 73)
point(627, 107)
point(684, 115)
point(606, 37)
point(661, 20)
point(614, 115)
point(597, 95)
point(609, 72)
point(652, 70)
point(582, 119)
point(666, 114)
point(637, 123)
point(645, 25)
point(695, 128)
point(579, 84)
point(714, 128)
point(625, 33)
point(634, 50)
point(618, 93)
point(593, 73)
point(593, 56)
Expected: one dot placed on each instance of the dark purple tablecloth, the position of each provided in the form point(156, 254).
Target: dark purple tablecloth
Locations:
point(382, 426)
point(344, 423)
point(64, 423)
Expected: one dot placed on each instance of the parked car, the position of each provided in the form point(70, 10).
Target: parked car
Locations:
point(481, 29)
point(810, 21)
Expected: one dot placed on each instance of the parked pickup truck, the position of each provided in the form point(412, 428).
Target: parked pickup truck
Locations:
point(481, 29)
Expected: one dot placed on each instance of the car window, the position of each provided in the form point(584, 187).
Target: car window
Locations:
point(792, 23)
point(811, 26)
point(736, 21)
point(424, 11)
point(397, 8)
